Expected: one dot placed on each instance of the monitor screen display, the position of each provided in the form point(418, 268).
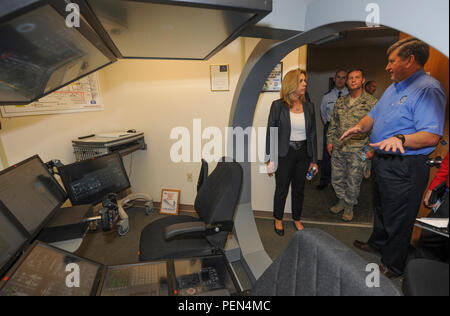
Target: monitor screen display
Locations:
point(47, 271)
point(89, 181)
point(40, 54)
point(146, 279)
point(11, 241)
point(30, 193)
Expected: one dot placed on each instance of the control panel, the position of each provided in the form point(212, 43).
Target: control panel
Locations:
point(148, 279)
point(46, 271)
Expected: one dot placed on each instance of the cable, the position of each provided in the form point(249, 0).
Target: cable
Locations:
point(131, 165)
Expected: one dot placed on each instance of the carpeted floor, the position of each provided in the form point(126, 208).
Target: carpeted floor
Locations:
point(274, 244)
point(110, 249)
point(317, 203)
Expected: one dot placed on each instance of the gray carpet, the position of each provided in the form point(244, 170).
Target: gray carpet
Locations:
point(317, 203)
point(110, 249)
point(274, 244)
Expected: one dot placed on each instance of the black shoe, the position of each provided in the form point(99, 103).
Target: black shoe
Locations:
point(280, 232)
point(364, 247)
point(387, 273)
point(320, 187)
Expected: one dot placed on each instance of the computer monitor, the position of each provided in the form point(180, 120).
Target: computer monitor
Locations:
point(12, 240)
point(39, 53)
point(47, 271)
point(89, 181)
point(30, 193)
point(143, 279)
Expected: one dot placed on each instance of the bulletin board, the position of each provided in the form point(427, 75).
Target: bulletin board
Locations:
point(80, 96)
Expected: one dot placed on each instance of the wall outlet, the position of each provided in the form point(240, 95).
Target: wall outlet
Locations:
point(189, 177)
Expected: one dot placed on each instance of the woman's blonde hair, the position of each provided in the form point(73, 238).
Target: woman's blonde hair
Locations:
point(290, 83)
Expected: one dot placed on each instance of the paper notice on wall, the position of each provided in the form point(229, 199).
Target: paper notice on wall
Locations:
point(220, 78)
point(80, 96)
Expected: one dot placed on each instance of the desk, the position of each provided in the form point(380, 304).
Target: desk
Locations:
point(433, 229)
point(65, 230)
point(95, 146)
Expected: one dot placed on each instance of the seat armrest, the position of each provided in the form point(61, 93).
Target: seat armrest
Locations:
point(184, 230)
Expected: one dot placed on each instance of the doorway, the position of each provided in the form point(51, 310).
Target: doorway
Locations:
point(359, 48)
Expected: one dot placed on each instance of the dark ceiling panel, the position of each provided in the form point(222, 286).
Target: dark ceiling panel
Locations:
point(174, 29)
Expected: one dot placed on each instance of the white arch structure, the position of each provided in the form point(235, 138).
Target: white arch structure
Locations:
point(426, 20)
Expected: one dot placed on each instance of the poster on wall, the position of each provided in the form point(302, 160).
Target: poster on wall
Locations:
point(273, 82)
point(80, 96)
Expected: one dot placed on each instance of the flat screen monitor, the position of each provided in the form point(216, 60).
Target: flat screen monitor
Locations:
point(89, 181)
point(12, 240)
point(47, 271)
point(144, 279)
point(39, 53)
point(30, 193)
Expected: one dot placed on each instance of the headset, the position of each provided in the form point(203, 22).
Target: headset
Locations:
point(113, 212)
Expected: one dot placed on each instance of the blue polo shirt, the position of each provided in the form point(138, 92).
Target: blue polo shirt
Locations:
point(410, 106)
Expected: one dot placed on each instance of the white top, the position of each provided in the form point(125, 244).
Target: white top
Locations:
point(298, 127)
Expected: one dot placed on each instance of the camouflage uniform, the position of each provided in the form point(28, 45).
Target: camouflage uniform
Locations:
point(347, 166)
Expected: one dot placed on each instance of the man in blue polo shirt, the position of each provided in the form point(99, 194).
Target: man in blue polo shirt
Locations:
point(406, 123)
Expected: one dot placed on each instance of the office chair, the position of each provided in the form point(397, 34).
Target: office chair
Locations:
point(186, 236)
point(202, 175)
point(425, 277)
point(316, 264)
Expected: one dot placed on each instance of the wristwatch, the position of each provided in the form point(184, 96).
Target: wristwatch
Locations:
point(401, 137)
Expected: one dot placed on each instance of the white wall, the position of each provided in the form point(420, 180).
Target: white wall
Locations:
point(153, 96)
point(287, 14)
point(157, 96)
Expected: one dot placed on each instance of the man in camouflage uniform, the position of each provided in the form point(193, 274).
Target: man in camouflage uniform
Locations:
point(346, 162)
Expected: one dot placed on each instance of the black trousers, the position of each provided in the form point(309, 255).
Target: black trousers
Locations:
point(325, 170)
point(292, 171)
point(399, 184)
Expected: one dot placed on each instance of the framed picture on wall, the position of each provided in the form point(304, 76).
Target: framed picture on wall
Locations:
point(170, 201)
point(273, 82)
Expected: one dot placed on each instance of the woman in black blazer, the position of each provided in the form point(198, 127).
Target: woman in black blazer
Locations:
point(296, 152)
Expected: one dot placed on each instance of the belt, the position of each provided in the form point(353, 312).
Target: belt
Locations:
point(385, 155)
point(296, 145)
